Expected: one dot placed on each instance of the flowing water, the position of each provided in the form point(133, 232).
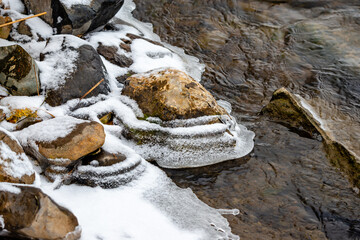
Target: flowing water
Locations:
point(286, 188)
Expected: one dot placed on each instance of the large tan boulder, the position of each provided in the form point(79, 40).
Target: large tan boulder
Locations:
point(171, 94)
point(29, 212)
point(15, 167)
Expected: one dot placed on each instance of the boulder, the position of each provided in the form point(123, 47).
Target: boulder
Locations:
point(171, 94)
point(72, 72)
point(63, 137)
point(289, 109)
point(5, 31)
point(18, 71)
point(15, 167)
point(75, 18)
point(29, 212)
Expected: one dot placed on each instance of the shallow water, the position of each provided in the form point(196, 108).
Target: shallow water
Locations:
point(287, 188)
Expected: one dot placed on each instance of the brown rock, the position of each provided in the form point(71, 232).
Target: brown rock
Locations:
point(5, 31)
point(171, 94)
point(110, 53)
point(84, 139)
point(12, 155)
point(31, 213)
point(24, 29)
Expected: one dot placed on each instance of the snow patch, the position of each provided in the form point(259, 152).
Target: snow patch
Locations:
point(48, 130)
point(8, 187)
point(70, 3)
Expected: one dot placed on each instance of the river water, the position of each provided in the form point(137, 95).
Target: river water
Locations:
point(286, 188)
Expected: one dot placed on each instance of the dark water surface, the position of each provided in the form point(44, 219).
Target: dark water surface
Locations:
point(286, 188)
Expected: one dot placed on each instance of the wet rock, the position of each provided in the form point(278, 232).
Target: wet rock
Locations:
point(30, 213)
point(83, 70)
point(107, 170)
point(18, 71)
point(171, 94)
point(286, 107)
point(15, 167)
point(5, 31)
point(75, 19)
point(111, 54)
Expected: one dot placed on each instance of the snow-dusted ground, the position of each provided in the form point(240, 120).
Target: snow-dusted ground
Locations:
point(151, 206)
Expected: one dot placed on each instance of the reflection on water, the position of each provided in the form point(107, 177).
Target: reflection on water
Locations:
point(287, 189)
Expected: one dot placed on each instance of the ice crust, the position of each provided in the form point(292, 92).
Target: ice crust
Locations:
point(147, 204)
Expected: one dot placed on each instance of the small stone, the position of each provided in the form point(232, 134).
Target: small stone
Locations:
point(24, 29)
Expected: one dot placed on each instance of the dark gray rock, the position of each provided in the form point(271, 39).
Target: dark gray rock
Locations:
point(18, 71)
point(89, 70)
point(75, 19)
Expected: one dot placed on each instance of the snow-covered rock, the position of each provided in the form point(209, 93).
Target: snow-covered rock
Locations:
point(15, 167)
point(70, 68)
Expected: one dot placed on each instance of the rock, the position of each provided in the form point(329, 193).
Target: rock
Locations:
point(29, 212)
point(171, 94)
point(77, 18)
point(5, 31)
point(64, 137)
point(24, 29)
point(18, 71)
point(287, 108)
point(111, 54)
point(81, 69)
point(15, 167)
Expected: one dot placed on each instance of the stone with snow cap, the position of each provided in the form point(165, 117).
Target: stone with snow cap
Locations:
point(28, 212)
point(74, 16)
point(15, 167)
point(70, 68)
point(63, 138)
point(171, 94)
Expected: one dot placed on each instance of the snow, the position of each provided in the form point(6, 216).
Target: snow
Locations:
point(15, 5)
point(147, 208)
point(14, 164)
point(2, 223)
point(192, 65)
point(70, 3)
point(154, 57)
point(8, 187)
point(47, 131)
